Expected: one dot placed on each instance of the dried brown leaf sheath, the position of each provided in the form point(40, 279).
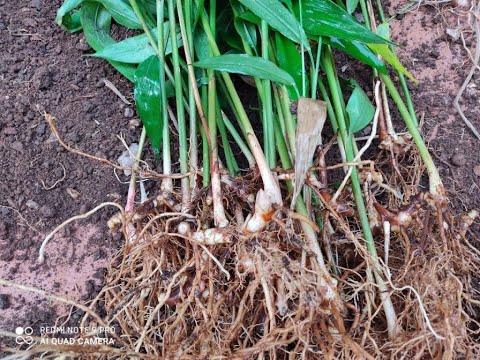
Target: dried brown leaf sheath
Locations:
point(311, 118)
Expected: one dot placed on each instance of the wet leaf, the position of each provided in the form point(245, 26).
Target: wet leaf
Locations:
point(96, 28)
point(279, 18)
point(148, 100)
point(360, 110)
point(247, 65)
point(324, 17)
point(311, 118)
point(290, 60)
point(68, 19)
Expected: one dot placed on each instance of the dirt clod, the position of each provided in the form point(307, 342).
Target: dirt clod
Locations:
point(476, 170)
point(17, 146)
point(4, 301)
point(9, 130)
point(459, 159)
point(47, 211)
point(128, 112)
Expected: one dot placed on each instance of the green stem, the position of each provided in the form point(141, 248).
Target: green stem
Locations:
point(167, 162)
point(330, 72)
point(182, 132)
point(241, 144)
point(436, 186)
point(268, 135)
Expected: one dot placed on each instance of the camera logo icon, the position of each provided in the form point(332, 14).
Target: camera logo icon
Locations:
point(24, 335)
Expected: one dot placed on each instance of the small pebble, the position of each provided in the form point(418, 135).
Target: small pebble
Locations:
point(32, 205)
point(73, 193)
point(82, 45)
point(476, 170)
point(134, 123)
point(459, 159)
point(128, 112)
point(10, 130)
point(4, 301)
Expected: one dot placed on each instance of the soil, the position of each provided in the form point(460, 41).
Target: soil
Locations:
point(41, 184)
point(42, 68)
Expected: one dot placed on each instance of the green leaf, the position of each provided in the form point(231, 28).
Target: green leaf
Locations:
point(135, 49)
point(387, 54)
point(247, 65)
point(278, 17)
point(67, 19)
point(290, 60)
point(358, 51)
point(246, 30)
point(122, 13)
point(148, 100)
point(323, 17)
point(96, 28)
point(360, 110)
point(352, 5)
point(390, 57)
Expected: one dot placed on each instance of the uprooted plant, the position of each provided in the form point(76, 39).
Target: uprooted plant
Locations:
point(280, 260)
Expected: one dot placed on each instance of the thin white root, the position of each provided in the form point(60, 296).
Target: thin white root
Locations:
point(41, 255)
point(386, 231)
point(215, 260)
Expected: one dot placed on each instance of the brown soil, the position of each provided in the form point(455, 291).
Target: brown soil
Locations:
point(42, 69)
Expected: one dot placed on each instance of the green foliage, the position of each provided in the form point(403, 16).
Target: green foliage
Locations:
point(279, 18)
point(247, 65)
point(358, 51)
point(360, 110)
point(323, 17)
point(148, 100)
point(95, 21)
point(68, 18)
point(290, 60)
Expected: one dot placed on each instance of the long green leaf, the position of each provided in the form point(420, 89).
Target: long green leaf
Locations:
point(96, 28)
point(148, 100)
point(246, 30)
point(358, 51)
point(360, 110)
point(290, 60)
point(247, 65)
point(67, 19)
point(134, 50)
point(122, 13)
point(278, 17)
point(352, 5)
point(324, 17)
point(387, 54)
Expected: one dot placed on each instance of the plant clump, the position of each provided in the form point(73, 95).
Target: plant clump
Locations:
point(293, 238)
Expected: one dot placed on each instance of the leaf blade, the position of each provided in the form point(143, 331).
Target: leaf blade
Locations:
point(247, 65)
point(325, 18)
point(278, 17)
point(148, 100)
point(360, 110)
point(96, 29)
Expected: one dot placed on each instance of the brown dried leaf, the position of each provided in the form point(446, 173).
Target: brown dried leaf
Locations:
point(311, 118)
